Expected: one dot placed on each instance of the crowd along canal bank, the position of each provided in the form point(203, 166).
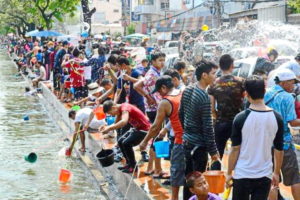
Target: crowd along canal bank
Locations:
point(112, 183)
point(21, 180)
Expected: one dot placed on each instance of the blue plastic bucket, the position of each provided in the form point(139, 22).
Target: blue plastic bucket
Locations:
point(110, 120)
point(72, 90)
point(25, 117)
point(162, 149)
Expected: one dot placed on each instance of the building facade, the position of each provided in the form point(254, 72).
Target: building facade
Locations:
point(107, 17)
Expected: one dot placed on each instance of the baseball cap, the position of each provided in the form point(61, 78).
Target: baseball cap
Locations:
point(164, 80)
point(65, 42)
point(286, 75)
point(94, 88)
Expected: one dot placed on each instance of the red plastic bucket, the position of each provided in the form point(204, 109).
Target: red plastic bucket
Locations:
point(99, 113)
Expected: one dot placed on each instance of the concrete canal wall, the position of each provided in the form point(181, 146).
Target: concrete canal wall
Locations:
point(111, 181)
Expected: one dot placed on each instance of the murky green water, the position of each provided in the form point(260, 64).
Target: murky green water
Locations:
point(18, 178)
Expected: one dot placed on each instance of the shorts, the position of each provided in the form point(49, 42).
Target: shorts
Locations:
point(177, 177)
point(92, 130)
point(79, 92)
point(289, 168)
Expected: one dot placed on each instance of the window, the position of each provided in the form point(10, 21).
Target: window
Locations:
point(116, 10)
point(244, 70)
point(146, 2)
point(99, 17)
point(164, 5)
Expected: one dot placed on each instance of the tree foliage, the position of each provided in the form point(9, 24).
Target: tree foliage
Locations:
point(47, 10)
point(130, 29)
point(295, 5)
point(21, 14)
point(14, 17)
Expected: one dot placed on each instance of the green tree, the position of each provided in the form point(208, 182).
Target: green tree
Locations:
point(47, 10)
point(295, 5)
point(12, 14)
point(130, 29)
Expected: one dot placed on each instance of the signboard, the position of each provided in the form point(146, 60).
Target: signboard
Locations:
point(135, 17)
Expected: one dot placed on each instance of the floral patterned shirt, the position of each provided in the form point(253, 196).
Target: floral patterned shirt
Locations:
point(149, 84)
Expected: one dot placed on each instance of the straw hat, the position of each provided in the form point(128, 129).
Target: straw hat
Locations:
point(94, 88)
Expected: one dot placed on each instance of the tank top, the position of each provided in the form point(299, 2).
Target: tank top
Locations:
point(174, 117)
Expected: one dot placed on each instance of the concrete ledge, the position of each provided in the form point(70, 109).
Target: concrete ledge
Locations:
point(112, 175)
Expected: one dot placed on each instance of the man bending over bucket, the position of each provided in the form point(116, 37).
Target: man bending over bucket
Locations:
point(126, 113)
point(80, 118)
point(169, 107)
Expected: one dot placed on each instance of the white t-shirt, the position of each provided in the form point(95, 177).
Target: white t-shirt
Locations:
point(87, 71)
point(42, 73)
point(82, 116)
point(256, 132)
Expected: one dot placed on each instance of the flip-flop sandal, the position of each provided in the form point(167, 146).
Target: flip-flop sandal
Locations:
point(161, 176)
point(149, 173)
point(82, 151)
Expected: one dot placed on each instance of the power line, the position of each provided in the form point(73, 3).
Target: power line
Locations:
point(221, 1)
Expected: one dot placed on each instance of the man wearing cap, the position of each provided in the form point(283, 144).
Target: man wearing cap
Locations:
point(94, 92)
point(279, 98)
point(168, 107)
point(293, 65)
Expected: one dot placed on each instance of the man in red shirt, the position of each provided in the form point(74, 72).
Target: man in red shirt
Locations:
point(76, 74)
point(126, 113)
point(169, 107)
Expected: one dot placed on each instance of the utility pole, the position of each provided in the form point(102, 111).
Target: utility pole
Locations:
point(193, 4)
point(218, 7)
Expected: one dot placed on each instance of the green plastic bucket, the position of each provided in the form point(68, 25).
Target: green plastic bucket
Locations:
point(32, 157)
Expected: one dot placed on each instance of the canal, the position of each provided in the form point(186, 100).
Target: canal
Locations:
point(20, 179)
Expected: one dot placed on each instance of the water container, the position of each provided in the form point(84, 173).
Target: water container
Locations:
point(162, 149)
point(99, 113)
point(215, 180)
point(110, 120)
point(26, 118)
point(106, 157)
point(32, 157)
point(72, 90)
point(76, 108)
point(64, 175)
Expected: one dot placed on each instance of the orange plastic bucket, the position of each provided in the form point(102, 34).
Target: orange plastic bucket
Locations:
point(99, 113)
point(215, 180)
point(64, 175)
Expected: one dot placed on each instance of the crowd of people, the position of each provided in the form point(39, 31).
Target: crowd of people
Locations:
point(198, 114)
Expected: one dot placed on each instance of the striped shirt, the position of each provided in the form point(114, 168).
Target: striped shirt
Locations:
point(196, 117)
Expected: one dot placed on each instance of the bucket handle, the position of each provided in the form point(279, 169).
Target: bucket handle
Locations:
point(209, 164)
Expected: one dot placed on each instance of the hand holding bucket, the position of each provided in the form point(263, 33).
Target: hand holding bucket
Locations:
point(162, 149)
point(69, 150)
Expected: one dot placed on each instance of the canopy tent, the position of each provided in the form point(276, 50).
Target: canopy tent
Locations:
point(44, 34)
point(136, 35)
point(31, 32)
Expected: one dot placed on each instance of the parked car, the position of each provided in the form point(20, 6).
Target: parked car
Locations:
point(171, 59)
point(245, 67)
point(169, 44)
point(242, 53)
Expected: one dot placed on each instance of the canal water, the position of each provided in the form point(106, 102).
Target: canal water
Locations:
point(18, 178)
